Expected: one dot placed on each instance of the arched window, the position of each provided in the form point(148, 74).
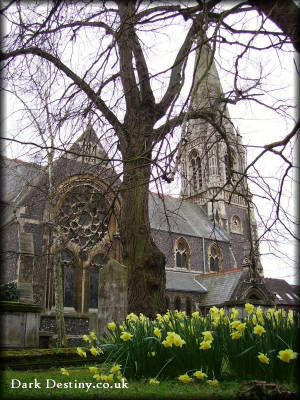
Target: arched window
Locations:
point(188, 306)
point(177, 303)
point(97, 262)
point(214, 258)
point(94, 284)
point(236, 224)
point(181, 254)
point(68, 275)
point(213, 165)
point(196, 171)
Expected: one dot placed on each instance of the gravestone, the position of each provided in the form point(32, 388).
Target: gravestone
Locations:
point(112, 305)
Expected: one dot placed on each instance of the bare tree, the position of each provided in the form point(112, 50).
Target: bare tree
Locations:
point(116, 84)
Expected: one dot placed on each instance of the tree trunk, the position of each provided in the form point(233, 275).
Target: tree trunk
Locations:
point(145, 262)
point(59, 302)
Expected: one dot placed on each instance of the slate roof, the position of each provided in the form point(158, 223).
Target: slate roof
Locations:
point(183, 282)
point(182, 217)
point(282, 288)
point(220, 286)
point(16, 175)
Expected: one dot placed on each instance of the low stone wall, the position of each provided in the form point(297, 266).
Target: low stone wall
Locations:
point(19, 325)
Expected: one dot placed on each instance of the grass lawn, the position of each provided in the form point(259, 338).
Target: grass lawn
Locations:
point(138, 390)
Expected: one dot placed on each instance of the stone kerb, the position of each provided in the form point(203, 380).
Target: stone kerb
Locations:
point(112, 294)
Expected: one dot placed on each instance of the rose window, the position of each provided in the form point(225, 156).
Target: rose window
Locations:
point(83, 216)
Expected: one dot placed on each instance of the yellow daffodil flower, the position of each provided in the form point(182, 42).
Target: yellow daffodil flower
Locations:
point(177, 341)
point(213, 382)
point(263, 358)
point(259, 330)
point(157, 332)
point(64, 371)
point(86, 338)
point(111, 326)
point(185, 378)
point(153, 381)
point(249, 308)
point(207, 335)
point(132, 317)
point(95, 351)
point(93, 370)
point(81, 352)
point(205, 344)
point(200, 375)
point(167, 343)
point(234, 313)
point(241, 327)
point(126, 336)
point(287, 355)
point(235, 324)
point(196, 315)
point(93, 335)
point(115, 369)
point(236, 335)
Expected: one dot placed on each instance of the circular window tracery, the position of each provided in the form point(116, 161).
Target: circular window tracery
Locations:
point(83, 216)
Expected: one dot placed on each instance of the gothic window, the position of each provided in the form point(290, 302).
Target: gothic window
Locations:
point(83, 217)
point(236, 225)
point(213, 165)
point(96, 264)
point(214, 258)
point(196, 171)
point(94, 284)
point(177, 303)
point(188, 306)
point(181, 254)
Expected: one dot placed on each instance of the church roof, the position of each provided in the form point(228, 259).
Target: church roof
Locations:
point(220, 286)
point(183, 282)
point(184, 218)
point(16, 176)
point(285, 293)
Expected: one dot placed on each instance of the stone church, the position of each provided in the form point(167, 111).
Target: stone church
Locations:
point(208, 234)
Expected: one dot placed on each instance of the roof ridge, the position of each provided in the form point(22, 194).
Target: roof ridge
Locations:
point(228, 271)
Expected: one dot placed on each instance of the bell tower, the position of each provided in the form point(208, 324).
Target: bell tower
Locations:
point(213, 162)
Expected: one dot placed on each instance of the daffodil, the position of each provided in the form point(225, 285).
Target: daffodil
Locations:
point(213, 382)
point(95, 351)
point(241, 327)
point(93, 370)
point(81, 352)
point(235, 324)
point(153, 381)
point(111, 326)
point(236, 335)
point(200, 375)
point(259, 312)
point(259, 330)
point(287, 355)
point(86, 338)
point(98, 377)
point(205, 344)
point(64, 371)
point(263, 358)
point(196, 315)
point(234, 313)
point(177, 341)
point(249, 308)
point(115, 369)
point(132, 317)
point(167, 343)
point(126, 336)
point(93, 335)
point(159, 317)
point(207, 335)
point(185, 378)
point(157, 332)
point(109, 378)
